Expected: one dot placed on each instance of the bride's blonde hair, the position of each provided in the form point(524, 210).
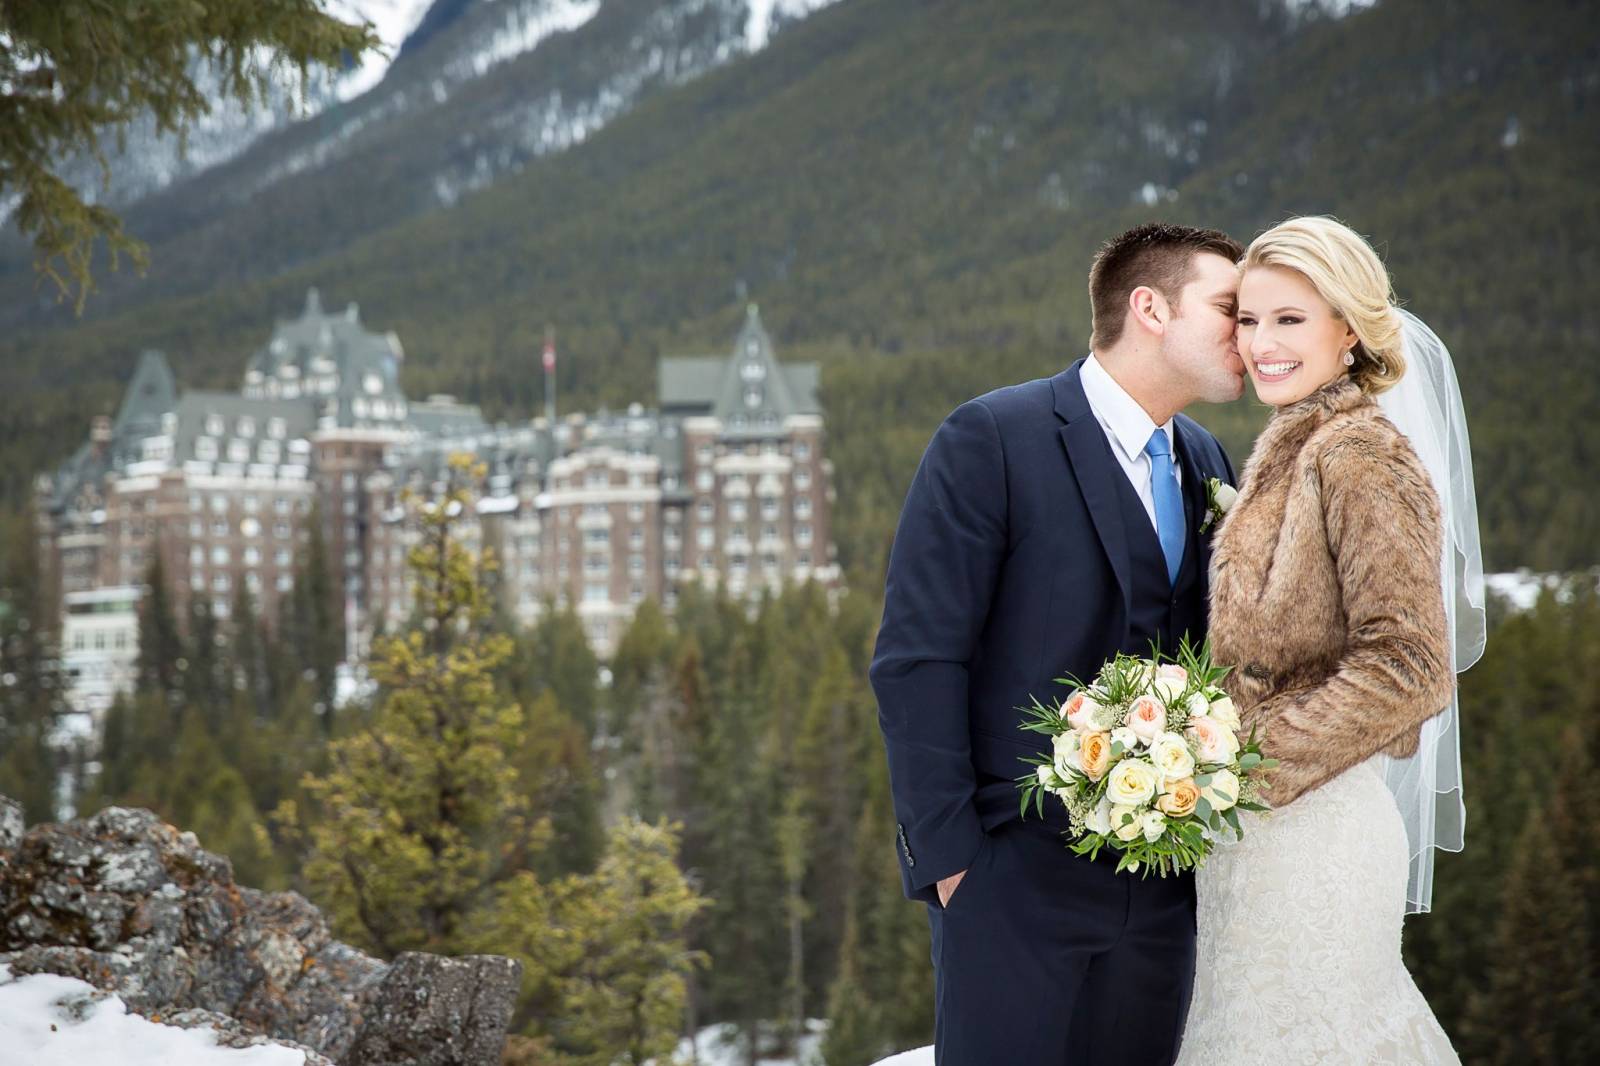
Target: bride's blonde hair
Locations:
point(1347, 273)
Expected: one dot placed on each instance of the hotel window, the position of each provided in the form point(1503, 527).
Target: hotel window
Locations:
point(702, 453)
point(636, 539)
point(281, 505)
point(803, 559)
point(220, 528)
point(636, 512)
point(705, 536)
point(737, 510)
point(252, 556)
point(707, 511)
point(769, 508)
point(802, 507)
point(220, 583)
point(205, 449)
point(197, 556)
point(597, 479)
point(280, 528)
point(635, 564)
point(285, 582)
point(276, 428)
point(704, 480)
point(219, 556)
point(802, 449)
point(238, 451)
point(219, 503)
point(802, 533)
point(596, 592)
point(802, 478)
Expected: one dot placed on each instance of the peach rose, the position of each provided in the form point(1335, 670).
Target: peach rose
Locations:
point(1147, 717)
point(1174, 671)
point(1079, 710)
point(1213, 742)
point(1178, 799)
point(1094, 753)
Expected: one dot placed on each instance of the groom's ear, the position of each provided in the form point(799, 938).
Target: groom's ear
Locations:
point(1148, 309)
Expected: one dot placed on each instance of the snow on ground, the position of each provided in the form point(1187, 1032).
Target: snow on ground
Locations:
point(47, 1020)
point(1521, 588)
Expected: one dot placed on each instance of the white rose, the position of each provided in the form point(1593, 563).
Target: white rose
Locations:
point(1067, 764)
point(1126, 737)
point(1174, 671)
point(1223, 710)
point(1153, 824)
point(1099, 819)
point(1196, 704)
point(1222, 791)
point(1047, 776)
point(1168, 688)
point(1226, 495)
point(1126, 823)
point(1132, 782)
point(1169, 753)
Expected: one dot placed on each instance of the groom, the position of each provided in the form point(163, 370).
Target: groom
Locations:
point(1050, 525)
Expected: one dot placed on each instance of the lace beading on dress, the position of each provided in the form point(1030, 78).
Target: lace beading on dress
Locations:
point(1298, 945)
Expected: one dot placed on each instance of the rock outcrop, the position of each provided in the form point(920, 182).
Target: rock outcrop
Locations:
point(134, 906)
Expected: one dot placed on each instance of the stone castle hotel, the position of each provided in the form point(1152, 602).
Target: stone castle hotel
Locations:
point(723, 482)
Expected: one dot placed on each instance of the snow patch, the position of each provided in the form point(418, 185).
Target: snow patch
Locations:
point(46, 1020)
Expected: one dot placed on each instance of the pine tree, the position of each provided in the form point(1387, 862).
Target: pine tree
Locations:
point(618, 978)
point(1537, 1005)
point(77, 71)
point(32, 688)
point(419, 814)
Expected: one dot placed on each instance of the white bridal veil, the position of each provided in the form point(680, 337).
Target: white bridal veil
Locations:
point(1426, 406)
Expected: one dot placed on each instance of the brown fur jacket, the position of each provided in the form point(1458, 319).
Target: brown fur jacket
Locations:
point(1325, 591)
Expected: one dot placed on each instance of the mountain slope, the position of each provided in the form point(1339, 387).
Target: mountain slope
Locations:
point(913, 191)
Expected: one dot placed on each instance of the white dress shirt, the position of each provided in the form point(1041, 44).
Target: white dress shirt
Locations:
point(1128, 428)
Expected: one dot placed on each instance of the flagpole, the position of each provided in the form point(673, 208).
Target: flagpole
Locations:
point(550, 377)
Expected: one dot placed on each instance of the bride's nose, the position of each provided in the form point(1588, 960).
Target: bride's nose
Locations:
point(1261, 342)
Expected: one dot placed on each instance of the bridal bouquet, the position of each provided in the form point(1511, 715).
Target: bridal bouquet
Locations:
point(1147, 760)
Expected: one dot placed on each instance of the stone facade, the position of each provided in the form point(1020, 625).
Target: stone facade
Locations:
point(725, 482)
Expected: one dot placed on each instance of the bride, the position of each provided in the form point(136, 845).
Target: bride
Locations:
point(1346, 592)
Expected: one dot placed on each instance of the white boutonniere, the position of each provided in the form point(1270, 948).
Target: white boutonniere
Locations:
point(1220, 497)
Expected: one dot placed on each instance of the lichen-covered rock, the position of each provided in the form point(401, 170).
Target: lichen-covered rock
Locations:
point(433, 1011)
point(133, 906)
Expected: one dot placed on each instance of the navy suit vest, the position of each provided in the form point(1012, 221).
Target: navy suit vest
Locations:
point(1161, 613)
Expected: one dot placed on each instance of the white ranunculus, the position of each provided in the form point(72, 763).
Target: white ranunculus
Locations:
point(1126, 737)
point(1169, 754)
point(1226, 496)
point(1126, 823)
point(1099, 819)
point(1153, 824)
point(1222, 791)
point(1132, 782)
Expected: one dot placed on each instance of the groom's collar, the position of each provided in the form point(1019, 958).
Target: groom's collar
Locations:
point(1128, 425)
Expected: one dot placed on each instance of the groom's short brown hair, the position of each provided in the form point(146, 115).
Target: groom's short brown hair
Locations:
point(1157, 254)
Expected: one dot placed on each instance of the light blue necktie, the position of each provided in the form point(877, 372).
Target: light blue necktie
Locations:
point(1169, 502)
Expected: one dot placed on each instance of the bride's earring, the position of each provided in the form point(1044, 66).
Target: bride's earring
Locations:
point(1349, 358)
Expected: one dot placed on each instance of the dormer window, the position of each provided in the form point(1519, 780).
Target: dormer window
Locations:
point(752, 371)
point(372, 383)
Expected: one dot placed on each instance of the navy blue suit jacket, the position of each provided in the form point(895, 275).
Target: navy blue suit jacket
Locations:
point(1010, 568)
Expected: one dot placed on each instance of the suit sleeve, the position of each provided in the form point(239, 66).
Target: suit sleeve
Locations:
point(1384, 533)
point(946, 558)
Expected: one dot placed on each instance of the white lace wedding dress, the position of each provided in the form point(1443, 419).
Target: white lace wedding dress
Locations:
point(1298, 947)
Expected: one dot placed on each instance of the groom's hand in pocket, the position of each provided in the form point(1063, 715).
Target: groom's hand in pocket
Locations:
point(947, 887)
